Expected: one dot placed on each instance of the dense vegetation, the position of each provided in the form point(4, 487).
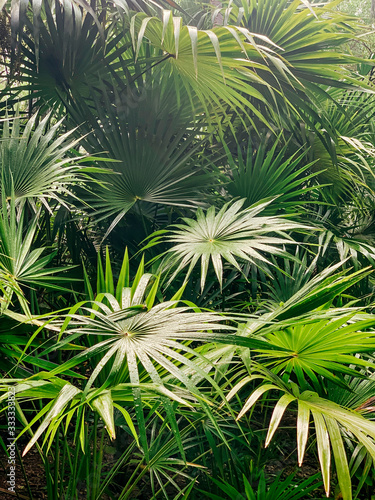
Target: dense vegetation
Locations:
point(187, 242)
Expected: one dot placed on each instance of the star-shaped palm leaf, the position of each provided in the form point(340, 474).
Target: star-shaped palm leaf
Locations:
point(233, 235)
point(132, 341)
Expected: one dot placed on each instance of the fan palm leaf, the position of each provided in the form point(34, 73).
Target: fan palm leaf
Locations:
point(159, 156)
point(133, 341)
point(305, 35)
point(306, 38)
point(324, 348)
point(191, 59)
point(308, 306)
point(131, 331)
point(34, 161)
point(231, 234)
point(265, 173)
point(69, 56)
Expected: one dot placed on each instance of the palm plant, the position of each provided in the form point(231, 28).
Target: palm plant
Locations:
point(146, 138)
point(232, 233)
point(328, 418)
point(132, 343)
point(35, 164)
point(266, 173)
point(64, 54)
point(23, 264)
point(297, 39)
point(238, 140)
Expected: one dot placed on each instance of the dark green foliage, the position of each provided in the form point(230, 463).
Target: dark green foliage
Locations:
point(187, 249)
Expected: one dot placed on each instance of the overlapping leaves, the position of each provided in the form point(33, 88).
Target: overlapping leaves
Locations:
point(24, 265)
point(328, 419)
point(136, 346)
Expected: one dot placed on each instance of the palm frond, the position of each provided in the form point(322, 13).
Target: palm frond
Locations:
point(159, 157)
point(35, 164)
point(329, 418)
point(265, 173)
point(324, 348)
point(231, 234)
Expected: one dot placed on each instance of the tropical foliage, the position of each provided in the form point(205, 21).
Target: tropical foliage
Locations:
point(187, 243)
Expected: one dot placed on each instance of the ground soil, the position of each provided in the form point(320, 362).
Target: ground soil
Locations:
point(35, 474)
